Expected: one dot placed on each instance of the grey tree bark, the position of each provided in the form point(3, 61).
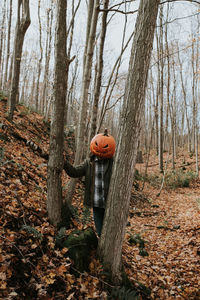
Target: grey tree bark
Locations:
point(47, 57)
point(196, 97)
point(99, 70)
point(23, 22)
point(40, 60)
point(161, 131)
point(185, 102)
point(93, 10)
point(55, 163)
point(173, 111)
point(110, 244)
point(111, 83)
point(2, 42)
point(8, 48)
point(86, 83)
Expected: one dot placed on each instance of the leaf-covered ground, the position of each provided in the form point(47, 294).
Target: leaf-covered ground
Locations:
point(162, 244)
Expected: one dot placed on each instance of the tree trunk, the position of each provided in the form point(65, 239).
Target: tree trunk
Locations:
point(185, 102)
point(173, 118)
point(166, 141)
point(99, 70)
point(196, 97)
point(8, 47)
point(21, 28)
point(2, 42)
point(40, 61)
point(111, 83)
point(47, 57)
point(86, 83)
point(55, 163)
point(161, 131)
point(87, 69)
point(110, 245)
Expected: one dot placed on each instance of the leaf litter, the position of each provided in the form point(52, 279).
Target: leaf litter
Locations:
point(30, 264)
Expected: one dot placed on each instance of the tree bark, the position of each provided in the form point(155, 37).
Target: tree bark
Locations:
point(161, 131)
point(8, 47)
point(110, 245)
point(21, 28)
point(87, 69)
point(2, 41)
point(86, 83)
point(47, 57)
point(99, 70)
point(55, 163)
point(185, 102)
point(40, 60)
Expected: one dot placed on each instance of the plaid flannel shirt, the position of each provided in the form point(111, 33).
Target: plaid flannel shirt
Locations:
point(99, 197)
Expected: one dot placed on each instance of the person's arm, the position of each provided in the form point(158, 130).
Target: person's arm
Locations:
point(77, 171)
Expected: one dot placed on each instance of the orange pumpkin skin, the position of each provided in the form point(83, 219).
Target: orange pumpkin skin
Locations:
point(103, 145)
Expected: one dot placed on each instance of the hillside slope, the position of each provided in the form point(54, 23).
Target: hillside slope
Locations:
point(162, 243)
point(31, 267)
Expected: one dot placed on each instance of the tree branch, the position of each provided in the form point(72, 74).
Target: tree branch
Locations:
point(119, 11)
point(191, 1)
point(181, 18)
point(123, 2)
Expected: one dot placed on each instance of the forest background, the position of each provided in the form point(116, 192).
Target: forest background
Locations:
point(95, 96)
point(176, 61)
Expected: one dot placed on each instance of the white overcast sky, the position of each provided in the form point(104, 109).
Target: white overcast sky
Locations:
point(179, 30)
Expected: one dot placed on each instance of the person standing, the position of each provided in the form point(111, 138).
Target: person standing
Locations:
point(97, 170)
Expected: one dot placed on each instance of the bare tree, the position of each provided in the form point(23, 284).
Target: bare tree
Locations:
point(161, 83)
point(2, 41)
point(183, 86)
point(47, 56)
point(111, 83)
point(93, 10)
point(8, 47)
point(23, 22)
point(40, 60)
point(55, 163)
point(86, 83)
point(99, 70)
point(110, 245)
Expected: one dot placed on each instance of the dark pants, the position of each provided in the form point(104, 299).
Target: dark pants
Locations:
point(98, 214)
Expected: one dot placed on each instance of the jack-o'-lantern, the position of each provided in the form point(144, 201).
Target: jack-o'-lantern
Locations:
point(103, 145)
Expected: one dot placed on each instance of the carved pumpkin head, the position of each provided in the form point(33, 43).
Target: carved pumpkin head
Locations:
point(103, 145)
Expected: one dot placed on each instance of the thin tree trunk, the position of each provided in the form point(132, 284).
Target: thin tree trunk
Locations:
point(99, 70)
point(161, 131)
point(21, 28)
point(40, 60)
point(47, 57)
point(2, 42)
point(193, 101)
point(86, 83)
point(166, 143)
point(110, 244)
point(55, 163)
point(8, 47)
point(173, 119)
point(185, 102)
point(107, 95)
point(87, 69)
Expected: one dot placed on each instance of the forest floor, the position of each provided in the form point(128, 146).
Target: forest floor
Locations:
point(162, 244)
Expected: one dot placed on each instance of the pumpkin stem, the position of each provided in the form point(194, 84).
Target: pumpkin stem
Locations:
point(106, 132)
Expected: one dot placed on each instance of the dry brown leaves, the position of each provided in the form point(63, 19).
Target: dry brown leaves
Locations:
point(32, 268)
point(170, 225)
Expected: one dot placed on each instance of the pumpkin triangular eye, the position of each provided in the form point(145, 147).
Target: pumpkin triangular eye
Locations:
point(106, 146)
point(96, 143)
